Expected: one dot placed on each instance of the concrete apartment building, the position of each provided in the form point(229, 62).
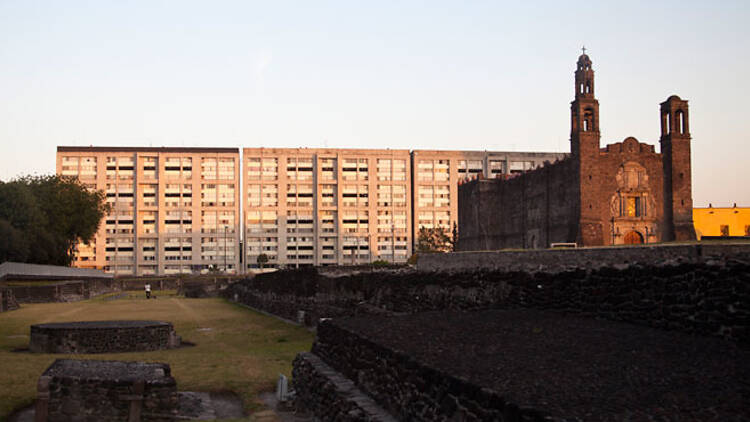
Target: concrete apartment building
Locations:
point(177, 210)
point(306, 206)
point(174, 210)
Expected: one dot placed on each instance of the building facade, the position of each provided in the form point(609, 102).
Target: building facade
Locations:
point(622, 194)
point(173, 210)
point(300, 206)
point(306, 207)
point(722, 221)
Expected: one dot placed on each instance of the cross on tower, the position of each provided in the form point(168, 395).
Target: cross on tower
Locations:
point(584, 49)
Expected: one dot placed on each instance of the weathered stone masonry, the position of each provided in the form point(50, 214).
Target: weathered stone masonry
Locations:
point(102, 337)
point(708, 296)
point(7, 300)
point(625, 192)
point(104, 391)
point(405, 388)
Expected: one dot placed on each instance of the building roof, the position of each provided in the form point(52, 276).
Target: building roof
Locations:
point(21, 271)
point(147, 149)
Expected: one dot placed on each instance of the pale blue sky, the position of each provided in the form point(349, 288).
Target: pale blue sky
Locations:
point(398, 74)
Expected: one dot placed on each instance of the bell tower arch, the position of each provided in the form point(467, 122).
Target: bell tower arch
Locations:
point(675, 150)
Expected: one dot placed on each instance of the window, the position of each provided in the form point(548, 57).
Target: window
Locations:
point(149, 167)
point(328, 195)
point(208, 168)
point(634, 207)
point(424, 170)
point(226, 168)
point(747, 230)
point(253, 168)
point(724, 230)
point(70, 166)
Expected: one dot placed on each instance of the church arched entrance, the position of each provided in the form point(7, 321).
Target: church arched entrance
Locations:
point(633, 238)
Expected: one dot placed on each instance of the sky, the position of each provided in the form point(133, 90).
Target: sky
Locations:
point(476, 75)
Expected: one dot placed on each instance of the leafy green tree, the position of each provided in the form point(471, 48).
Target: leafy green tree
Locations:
point(42, 218)
point(262, 260)
point(433, 240)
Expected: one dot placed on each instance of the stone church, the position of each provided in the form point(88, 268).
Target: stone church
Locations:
point(624, 193)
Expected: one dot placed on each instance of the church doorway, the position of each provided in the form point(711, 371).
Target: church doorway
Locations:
point(633, 238)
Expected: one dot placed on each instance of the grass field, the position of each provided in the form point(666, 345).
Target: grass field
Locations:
point(235, 349)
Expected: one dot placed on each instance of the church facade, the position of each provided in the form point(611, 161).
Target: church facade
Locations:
point(624, 193)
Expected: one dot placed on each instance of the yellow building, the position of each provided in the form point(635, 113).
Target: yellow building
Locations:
point(734, 221)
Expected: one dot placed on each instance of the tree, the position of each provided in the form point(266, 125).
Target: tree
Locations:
point(262, 260)
point(454, 238)
point(42, 218)
point(433, 240)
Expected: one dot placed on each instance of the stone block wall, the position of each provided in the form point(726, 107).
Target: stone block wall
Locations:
point(104, 391)
point(102, 337)
point(404, 387)
point(7, 300)
point(531, 210)
point(708, 297)
point(331, 396)
point(556, 260)
point(56, 292)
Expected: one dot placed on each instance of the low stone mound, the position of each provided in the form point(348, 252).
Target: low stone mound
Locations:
point(103, 337)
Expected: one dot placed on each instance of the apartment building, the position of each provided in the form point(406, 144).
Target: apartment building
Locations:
point(307, 207)
point(176, 210)
point(173, 210)
point(437, 174)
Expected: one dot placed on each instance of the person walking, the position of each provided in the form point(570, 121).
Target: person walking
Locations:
point(148, 290)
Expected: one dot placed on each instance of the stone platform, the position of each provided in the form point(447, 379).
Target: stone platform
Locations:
point(103, 337)
point(104, 391)
point(92, 390)
point(526, 365)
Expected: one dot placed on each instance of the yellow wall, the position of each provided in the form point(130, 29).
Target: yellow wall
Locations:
point(708, 221)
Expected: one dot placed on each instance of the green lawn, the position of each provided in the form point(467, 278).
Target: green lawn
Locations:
point(235, 348)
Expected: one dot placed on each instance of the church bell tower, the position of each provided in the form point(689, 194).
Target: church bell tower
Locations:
point(584, 111)
point(584, 149)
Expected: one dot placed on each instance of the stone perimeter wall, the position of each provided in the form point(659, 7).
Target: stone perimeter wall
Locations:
point(405, 388)
point(705, 296)
point(103, 339)
point(556, 260)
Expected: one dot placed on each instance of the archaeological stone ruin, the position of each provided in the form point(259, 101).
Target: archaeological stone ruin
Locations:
point(577, 335)
point(103, 337)
point(93, 390)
